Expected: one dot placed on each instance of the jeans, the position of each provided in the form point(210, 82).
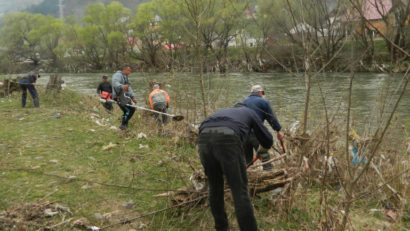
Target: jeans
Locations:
point(26, 85)
point(221, 155)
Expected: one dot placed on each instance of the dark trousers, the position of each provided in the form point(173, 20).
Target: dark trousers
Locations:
point(250, 144)
point(25, 85)
point(128, 113)
point(221, 155)
point(108, 106)
point(161, 119)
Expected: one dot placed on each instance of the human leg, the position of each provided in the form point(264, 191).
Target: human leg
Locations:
point(24, 95)
point(214, 174)
point(34, 95)
point(233, 165)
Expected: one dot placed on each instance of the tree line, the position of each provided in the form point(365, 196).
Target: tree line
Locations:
point(207, 35)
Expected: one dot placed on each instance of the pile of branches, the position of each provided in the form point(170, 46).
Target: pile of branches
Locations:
point(259, 181)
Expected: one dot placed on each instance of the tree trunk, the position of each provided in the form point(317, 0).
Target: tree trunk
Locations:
point(54, 84)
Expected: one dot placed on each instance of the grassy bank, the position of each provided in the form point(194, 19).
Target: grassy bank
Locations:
point(68, 152)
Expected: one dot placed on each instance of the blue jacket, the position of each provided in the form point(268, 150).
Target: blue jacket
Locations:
point(240, 119)
point(262, 107)
point(30, 78)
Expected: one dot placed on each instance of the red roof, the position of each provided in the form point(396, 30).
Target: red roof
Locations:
point(376, 9)
point(372, 10)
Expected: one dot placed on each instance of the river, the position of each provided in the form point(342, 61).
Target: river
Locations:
point(286, 92)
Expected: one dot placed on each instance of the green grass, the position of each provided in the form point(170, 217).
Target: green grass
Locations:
point(35, 146)
point(40, 153)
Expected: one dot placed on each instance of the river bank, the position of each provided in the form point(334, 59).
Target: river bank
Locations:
point(69, 151)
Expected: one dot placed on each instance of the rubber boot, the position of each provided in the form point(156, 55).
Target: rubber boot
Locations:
point(124, 124)
point(36, 102)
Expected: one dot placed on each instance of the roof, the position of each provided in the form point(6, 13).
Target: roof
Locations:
point(376, 9)
point(372, 10)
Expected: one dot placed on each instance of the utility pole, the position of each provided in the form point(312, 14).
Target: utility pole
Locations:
point(60, 7)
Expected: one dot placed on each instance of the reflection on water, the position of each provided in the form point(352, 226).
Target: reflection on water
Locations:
point(286, 92)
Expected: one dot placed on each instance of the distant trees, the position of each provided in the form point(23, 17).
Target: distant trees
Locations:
point(26, 36)
point(172, 34)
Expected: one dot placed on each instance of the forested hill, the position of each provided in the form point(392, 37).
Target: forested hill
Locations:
point(7, 6)
point(76, 7)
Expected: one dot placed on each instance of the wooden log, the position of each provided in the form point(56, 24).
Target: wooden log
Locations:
point(258, 182)
point(54, 84)
point(8, 86)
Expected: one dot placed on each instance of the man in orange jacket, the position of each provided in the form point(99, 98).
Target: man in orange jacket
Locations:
point(159, 101)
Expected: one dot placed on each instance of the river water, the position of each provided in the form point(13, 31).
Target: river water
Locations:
point(286, 92)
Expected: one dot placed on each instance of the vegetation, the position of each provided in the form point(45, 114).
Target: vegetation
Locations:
point(217, 35)
point(61, 154)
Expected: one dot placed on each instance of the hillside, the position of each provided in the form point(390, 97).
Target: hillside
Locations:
point(75, 7)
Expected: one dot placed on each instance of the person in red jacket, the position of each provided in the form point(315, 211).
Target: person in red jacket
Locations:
point(159, 101)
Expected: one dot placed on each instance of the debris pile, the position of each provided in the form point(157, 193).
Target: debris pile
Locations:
point(31, 216)
point(259, 181)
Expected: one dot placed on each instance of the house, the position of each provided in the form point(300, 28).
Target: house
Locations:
point(378, 15)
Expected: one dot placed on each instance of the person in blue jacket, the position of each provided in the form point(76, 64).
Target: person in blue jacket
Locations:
point(28, 83)
point(220, 145)
point(262, 107)
point(123, 94)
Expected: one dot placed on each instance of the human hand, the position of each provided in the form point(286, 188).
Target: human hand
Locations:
point(34, 84)
point(279, 136)
point(134, 100)
point(125, 87)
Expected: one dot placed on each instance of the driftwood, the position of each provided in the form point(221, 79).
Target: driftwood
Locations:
point(8, 86)
point(54, 84)
point(258, 182)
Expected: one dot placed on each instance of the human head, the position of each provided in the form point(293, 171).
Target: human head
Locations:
point(104, 78)
point(155, 86)
point(258, 89)
point(126, 69)
point(34, 74)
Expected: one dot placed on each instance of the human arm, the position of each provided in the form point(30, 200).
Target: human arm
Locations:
point(99, 90)
point(272, 118)
point(150, 99)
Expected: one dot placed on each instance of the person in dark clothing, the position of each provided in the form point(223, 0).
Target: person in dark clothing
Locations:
point(28, 83)
point(262, 107)
point(123, 94)
point(105, 86)
point(220, 144)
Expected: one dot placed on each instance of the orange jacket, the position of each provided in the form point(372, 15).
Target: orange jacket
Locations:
point(158, 91)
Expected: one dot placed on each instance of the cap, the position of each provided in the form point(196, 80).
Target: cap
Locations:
point(105, 77)
point(155, 86)
point(256, 88)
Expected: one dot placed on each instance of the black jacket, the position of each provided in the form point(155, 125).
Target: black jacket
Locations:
point(240, 119)
point(104, 87)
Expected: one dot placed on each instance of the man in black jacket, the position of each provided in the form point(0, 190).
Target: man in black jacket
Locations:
point(105, 86)
point(221, 138)
point(28, 83)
